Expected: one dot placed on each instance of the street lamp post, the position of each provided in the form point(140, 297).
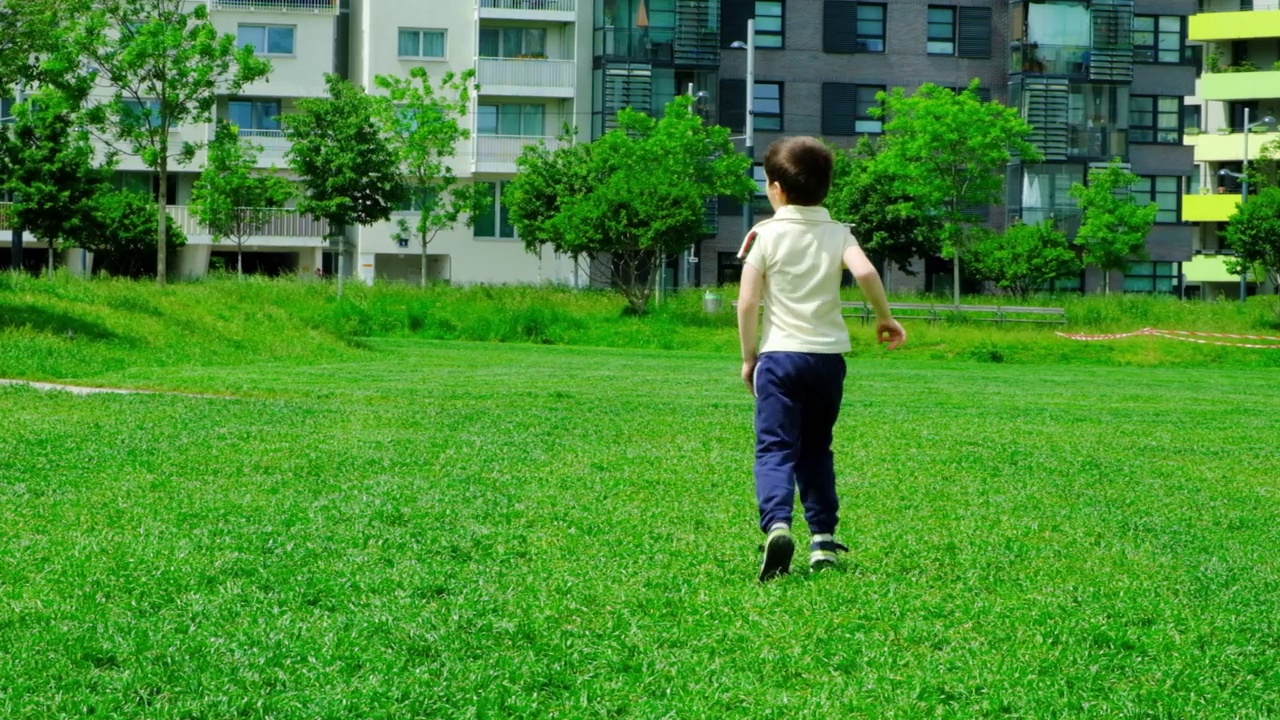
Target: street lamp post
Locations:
point(750, 47)
point(16, 244)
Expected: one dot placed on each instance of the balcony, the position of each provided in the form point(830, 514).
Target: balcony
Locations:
point(1240, 85)
point(538, 10)
point(1050, 59)
point(652, 44)
point(1209, 269)
point(285, 224)
point(273, 143)
point(1209, 208)
point(498, 153)
point(1263, 21)
point(310, 7)
point(526, 77)
point(1213, 147)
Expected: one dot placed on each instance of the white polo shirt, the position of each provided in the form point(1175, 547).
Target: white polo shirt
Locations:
point(800, 251)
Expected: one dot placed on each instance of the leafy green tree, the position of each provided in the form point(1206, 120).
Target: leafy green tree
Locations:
point(1113, 226)
point(47, 161)
point(346, 158)
point(1254, 234)
point(949, 150)
point(632, 197)
point(889, 224)
point(232, 198)
point(425, 124)
point(29, 31)
point(124, 237)
point(162, 64)
point(1025, 258)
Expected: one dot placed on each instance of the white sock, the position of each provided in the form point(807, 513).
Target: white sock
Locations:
point(779, 525)
point(824, 537)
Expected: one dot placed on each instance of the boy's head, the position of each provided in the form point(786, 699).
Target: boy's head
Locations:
point(801, 168)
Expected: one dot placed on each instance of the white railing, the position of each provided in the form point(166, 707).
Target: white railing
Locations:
point(273, 143)
point(554, 5)
point(318, 7)
point(526, 72)
point(504, 149)
point(283, 223)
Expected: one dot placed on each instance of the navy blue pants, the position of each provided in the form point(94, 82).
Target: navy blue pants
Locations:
point(797, 402)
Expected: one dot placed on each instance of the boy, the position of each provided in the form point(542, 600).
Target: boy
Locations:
point(792, 263)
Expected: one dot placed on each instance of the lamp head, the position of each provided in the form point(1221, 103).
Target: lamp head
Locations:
point(738, 45)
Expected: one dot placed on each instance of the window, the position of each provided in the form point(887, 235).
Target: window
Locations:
point(513, 42)
point(6, 109)
point(846, 109)
point(870, 28)
point(511, 119)
point(420, 199)
point(416, 43)
point(1163, 191)
point(1155, 119)
point(942, 31)
point(255, 117)
point(492, 221)
point(1191, 117)
point(1157, 39)
point(266, 39)
point(1152, 277)
point(769, 24)
point(728, 268)
point(146, 112)
point(760, 201)
point(766, 106)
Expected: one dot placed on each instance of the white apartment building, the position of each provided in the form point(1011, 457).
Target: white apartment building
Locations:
point(532, 59)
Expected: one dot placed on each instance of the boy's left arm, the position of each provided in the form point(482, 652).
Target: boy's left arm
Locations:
point(749, 293)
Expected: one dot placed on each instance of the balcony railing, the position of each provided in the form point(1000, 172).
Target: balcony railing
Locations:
point(317, 7)
point(1050, 59)
point(526, 73)
point(273, 143)
point(553, 5)
point(283, 223)
point(636, 44)
point(1215, 6)
point(504, 149)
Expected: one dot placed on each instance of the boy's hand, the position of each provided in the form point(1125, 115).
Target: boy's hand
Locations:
point(890, 333)
point(749, 375)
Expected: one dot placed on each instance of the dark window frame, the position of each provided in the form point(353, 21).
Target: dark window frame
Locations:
point(1153, 194)
point(1155, 133)
point(780, 33)
point(728, 268)
point(1150, 53)
point(1173, 275)
point(933, 36)
point(756, 114)
point(837, 104)
point(864, 40)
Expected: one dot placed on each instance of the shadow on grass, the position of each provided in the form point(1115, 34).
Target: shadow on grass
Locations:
point(51, 323)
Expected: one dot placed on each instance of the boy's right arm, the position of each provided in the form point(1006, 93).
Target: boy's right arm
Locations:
point(887, 329)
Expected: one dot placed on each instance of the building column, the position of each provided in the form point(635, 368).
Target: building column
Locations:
point(193, 260)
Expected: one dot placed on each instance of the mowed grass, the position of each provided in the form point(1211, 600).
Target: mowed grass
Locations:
point(453, 530)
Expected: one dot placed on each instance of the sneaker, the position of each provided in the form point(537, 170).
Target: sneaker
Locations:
point(822, 553)
point(778, 549)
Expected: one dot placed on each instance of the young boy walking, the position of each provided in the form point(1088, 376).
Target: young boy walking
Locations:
point(792, 262)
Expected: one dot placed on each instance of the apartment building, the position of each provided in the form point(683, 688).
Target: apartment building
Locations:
point(1228, 120)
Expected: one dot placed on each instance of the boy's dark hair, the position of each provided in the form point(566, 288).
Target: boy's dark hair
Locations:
point(801, 166)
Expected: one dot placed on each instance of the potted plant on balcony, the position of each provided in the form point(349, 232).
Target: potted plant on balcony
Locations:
point(1191, 130)
point(1224, 131)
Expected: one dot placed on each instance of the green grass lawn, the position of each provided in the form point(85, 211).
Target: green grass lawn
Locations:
point(465, 530)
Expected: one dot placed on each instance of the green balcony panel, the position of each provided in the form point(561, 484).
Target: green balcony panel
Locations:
point(1209, 208)
point(1240, 85)
point(1246, 25)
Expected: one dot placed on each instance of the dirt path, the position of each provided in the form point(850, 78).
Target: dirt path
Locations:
point(84, 390)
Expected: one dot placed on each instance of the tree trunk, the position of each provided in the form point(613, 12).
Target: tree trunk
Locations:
point(423, 282)
point(162, 229)
point(240, 262)
point(1106, 282)
point(50, 259)
point(955, 272)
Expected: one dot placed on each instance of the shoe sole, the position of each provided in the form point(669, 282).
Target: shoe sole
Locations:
point(777, 557)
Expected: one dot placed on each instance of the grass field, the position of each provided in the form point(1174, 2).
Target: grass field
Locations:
point(467, 530)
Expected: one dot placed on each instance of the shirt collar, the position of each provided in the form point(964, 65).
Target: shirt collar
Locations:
point(802, 212)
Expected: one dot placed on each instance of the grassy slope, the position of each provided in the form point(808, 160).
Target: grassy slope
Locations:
point(453, 530)
point(77, 330)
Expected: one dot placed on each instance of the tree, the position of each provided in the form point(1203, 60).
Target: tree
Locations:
point(1113, 226)
point(124, 235)
point(1025, 258)
point(231, 198)
point(633, 196)
point(48, 163)
point(1254, 234)
point(29, 30)
point(949, 150)
point(425, 124)
point(161, 66)
point(889, 224)
point(346, 158)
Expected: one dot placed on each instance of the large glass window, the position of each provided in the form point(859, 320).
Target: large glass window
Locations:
point(766, 106)
point(1163, 190)
point(769, 28)
point(255, 117)
point(415, 43)
point(492, 220)
point(1157, 38)
point(1152, 277)
point(942, 31)
point(870, 28)
point(513, 42)
point(728, 268)
point(266, 39)
point(147, 111)
point(511, 119)
point(1155, 119)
